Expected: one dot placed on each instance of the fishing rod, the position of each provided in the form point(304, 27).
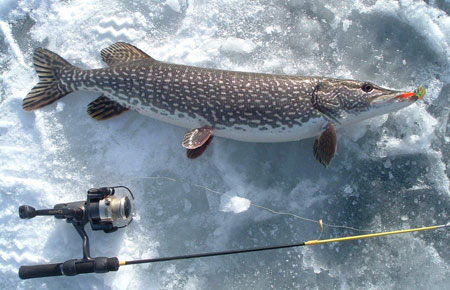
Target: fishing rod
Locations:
point(103, 210)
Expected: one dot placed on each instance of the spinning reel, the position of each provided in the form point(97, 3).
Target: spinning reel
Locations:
point(103, 211)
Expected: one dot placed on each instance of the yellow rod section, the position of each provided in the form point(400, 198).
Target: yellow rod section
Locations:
point(317, 242)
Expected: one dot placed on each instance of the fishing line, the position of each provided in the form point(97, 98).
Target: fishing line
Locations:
point(104, 210)
point(319, 222)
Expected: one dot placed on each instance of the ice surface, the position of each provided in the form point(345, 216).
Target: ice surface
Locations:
point(389, 172)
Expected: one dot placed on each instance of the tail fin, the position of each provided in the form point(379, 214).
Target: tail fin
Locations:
point(48, 66)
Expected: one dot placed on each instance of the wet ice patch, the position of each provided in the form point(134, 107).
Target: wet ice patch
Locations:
point(412, 132)
point(234, 204)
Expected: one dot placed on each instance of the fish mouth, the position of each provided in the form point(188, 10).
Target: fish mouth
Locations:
point(398, 96)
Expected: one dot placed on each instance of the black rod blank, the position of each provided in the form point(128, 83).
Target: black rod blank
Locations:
point(201, 255)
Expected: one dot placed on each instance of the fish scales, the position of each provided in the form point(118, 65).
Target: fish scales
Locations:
point(222, 98)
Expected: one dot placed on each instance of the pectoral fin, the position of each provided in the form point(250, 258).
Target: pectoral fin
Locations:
point(197, 140)
point(194, 153)
point(104, 108)
point(325, 145)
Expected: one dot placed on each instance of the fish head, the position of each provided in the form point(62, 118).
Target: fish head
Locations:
point(349, 101)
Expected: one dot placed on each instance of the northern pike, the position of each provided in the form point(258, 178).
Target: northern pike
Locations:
point(251, 107)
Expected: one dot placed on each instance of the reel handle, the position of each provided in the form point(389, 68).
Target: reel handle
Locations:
point(70, 268)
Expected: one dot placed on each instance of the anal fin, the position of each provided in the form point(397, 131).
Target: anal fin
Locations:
point(197, 140)
point(325, 145)
point(104, 108)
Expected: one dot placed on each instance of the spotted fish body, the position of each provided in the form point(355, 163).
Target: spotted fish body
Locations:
point(243, 106)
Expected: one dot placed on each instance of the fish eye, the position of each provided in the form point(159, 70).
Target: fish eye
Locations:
point(366, 87)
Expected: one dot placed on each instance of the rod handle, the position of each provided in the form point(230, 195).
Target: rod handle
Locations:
point(70, 268)
point(27, 212)
point(38, 271)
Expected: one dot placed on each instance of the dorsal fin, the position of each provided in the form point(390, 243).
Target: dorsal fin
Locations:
point(121, 53)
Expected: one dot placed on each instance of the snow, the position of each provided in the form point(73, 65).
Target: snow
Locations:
point(234, 44)
point(234, 204)
point(174, 5)
point(390, 172)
